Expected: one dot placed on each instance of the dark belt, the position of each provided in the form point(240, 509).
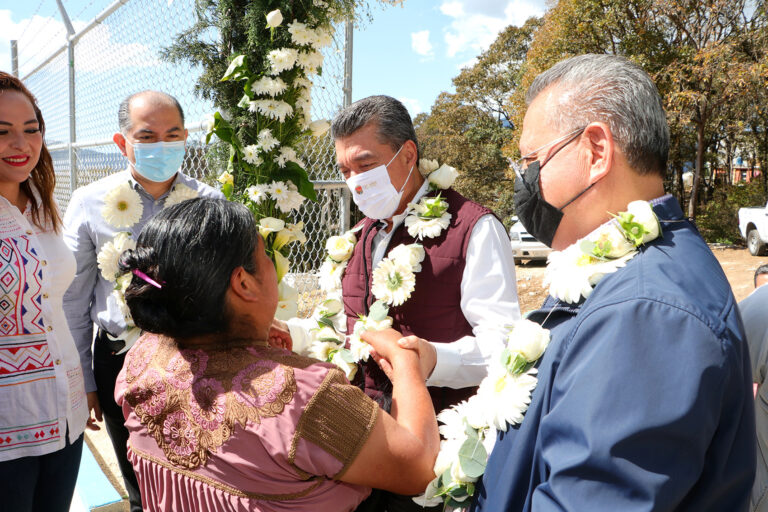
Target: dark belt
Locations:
point(113, 346)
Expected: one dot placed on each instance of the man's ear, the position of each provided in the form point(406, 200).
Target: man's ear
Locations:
point(411, 153)
point(601, 147)
point(119, 139)
point(244, 285)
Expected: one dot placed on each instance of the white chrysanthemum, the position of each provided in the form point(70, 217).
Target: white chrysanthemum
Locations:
point(330, 275)
point(251, 154)
point(427, 166)
point(109, 255)
point(393, 282)
point(277, 189)
point(208, 123)
point(267, 141)
point(281, 60)
point(287, 154)
point(287, 197)
point(571, 274)
point(410, 254)
point(427, 228)
point(256, 193)
point(303, 83)
point(310, 61)
point(300, 33)
point(506, 397)
point(319, 127)
point(122, 206)
point(443, 177)
point(322, 39)
point(179, 194)
point(349, 369)
point(269, 86)
point(273, 109)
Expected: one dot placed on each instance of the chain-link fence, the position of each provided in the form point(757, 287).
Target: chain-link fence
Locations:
point(117, 54)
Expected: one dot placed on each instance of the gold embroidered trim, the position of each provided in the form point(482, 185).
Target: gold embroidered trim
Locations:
point(226, 488)
point(190, 400)
point(338, 418)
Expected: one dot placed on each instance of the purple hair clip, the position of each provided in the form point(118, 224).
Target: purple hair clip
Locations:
point(146, 278)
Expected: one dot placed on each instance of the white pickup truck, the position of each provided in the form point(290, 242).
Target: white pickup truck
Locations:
point(753, 224)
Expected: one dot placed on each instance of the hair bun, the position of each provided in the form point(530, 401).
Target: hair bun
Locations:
point(140, 258)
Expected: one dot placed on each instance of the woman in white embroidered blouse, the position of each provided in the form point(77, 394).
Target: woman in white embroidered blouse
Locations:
point(43, 405)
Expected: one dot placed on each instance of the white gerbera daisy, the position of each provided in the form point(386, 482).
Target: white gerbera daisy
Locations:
point(122, 206)
point(506, 396)
point(256, 193)
point(427, 228)
point(251, 154)
point(330, 275)
point(107, 259)
point(180, 193)
point(393, 282)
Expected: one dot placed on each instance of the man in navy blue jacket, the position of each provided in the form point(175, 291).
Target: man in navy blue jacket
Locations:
point(644, 395)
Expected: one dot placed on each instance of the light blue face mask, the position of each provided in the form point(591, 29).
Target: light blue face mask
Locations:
point(158, 161)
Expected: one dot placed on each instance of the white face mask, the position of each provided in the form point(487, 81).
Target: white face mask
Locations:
point(373, 192)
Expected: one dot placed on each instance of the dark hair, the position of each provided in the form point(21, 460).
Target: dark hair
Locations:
point(124, 110)
point(42, 176)
point(391, 117)
point(191, 249)
point(762, 269)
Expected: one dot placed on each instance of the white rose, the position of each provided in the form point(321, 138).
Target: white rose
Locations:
point(330, 307)
point(274, 18)
point(319, 128)
point(412, 254)
point(339, 248)
point(458, 475)
point(349, 235)
point(328, 334)
point(427, 166)
point(643, 212)
point(449, 452)
point(443, 177)
point(528, 339)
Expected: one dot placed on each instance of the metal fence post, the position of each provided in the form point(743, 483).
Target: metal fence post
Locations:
point(15, 57)
point(71, 82)
point(345, 211)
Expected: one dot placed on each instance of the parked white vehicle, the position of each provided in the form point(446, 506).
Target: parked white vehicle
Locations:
point(753, 224)
point(524, 246)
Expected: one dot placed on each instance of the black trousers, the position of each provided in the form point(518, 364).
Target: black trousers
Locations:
point(385, 501)
point(43, 483)
point(106, 366)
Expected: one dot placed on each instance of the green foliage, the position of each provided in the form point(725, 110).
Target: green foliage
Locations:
point(719, 219)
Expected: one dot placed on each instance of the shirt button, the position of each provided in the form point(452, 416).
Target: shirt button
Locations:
point(58, 362)
point(29, 231)
point(44, 262)
point(49, 328)
point(45, 295)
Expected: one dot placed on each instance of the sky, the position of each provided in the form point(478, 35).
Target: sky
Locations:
point(410, 52)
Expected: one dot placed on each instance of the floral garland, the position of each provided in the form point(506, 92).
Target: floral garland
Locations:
point(393, 278)
point(469, 428)
point(122, 210)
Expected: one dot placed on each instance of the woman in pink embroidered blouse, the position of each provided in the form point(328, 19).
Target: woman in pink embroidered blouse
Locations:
point(43, 408)
point(218, 419)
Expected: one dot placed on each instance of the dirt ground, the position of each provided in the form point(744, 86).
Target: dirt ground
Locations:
point(739, 267)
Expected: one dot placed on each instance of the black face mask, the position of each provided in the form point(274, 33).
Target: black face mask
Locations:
point(539, 218)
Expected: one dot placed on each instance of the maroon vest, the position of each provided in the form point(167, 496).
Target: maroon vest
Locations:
point(433, 311)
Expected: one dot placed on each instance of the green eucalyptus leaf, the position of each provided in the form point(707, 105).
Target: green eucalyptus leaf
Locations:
point(325, 321)
point(378, 311)
point(473, 458)
point(347, 356)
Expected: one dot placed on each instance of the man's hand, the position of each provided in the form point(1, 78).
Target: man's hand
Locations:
point(280, 335)
point(427, 353)
point(93, 406)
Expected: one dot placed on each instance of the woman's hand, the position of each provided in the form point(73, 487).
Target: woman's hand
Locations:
point(279, 335)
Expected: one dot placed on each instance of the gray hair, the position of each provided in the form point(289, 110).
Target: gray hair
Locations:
point(391, 117)
point(762, 269)
point(613, 90)
point(124, 111)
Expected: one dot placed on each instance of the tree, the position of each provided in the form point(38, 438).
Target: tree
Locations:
point(468, 129)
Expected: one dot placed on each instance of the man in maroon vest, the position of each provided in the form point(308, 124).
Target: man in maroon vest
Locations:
point(465, 292)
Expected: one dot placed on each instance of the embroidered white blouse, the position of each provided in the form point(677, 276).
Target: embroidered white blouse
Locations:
point(42, 393)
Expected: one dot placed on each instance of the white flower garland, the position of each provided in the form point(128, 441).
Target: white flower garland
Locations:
point(393, 278)
point(122, 210)
point(469, 428)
